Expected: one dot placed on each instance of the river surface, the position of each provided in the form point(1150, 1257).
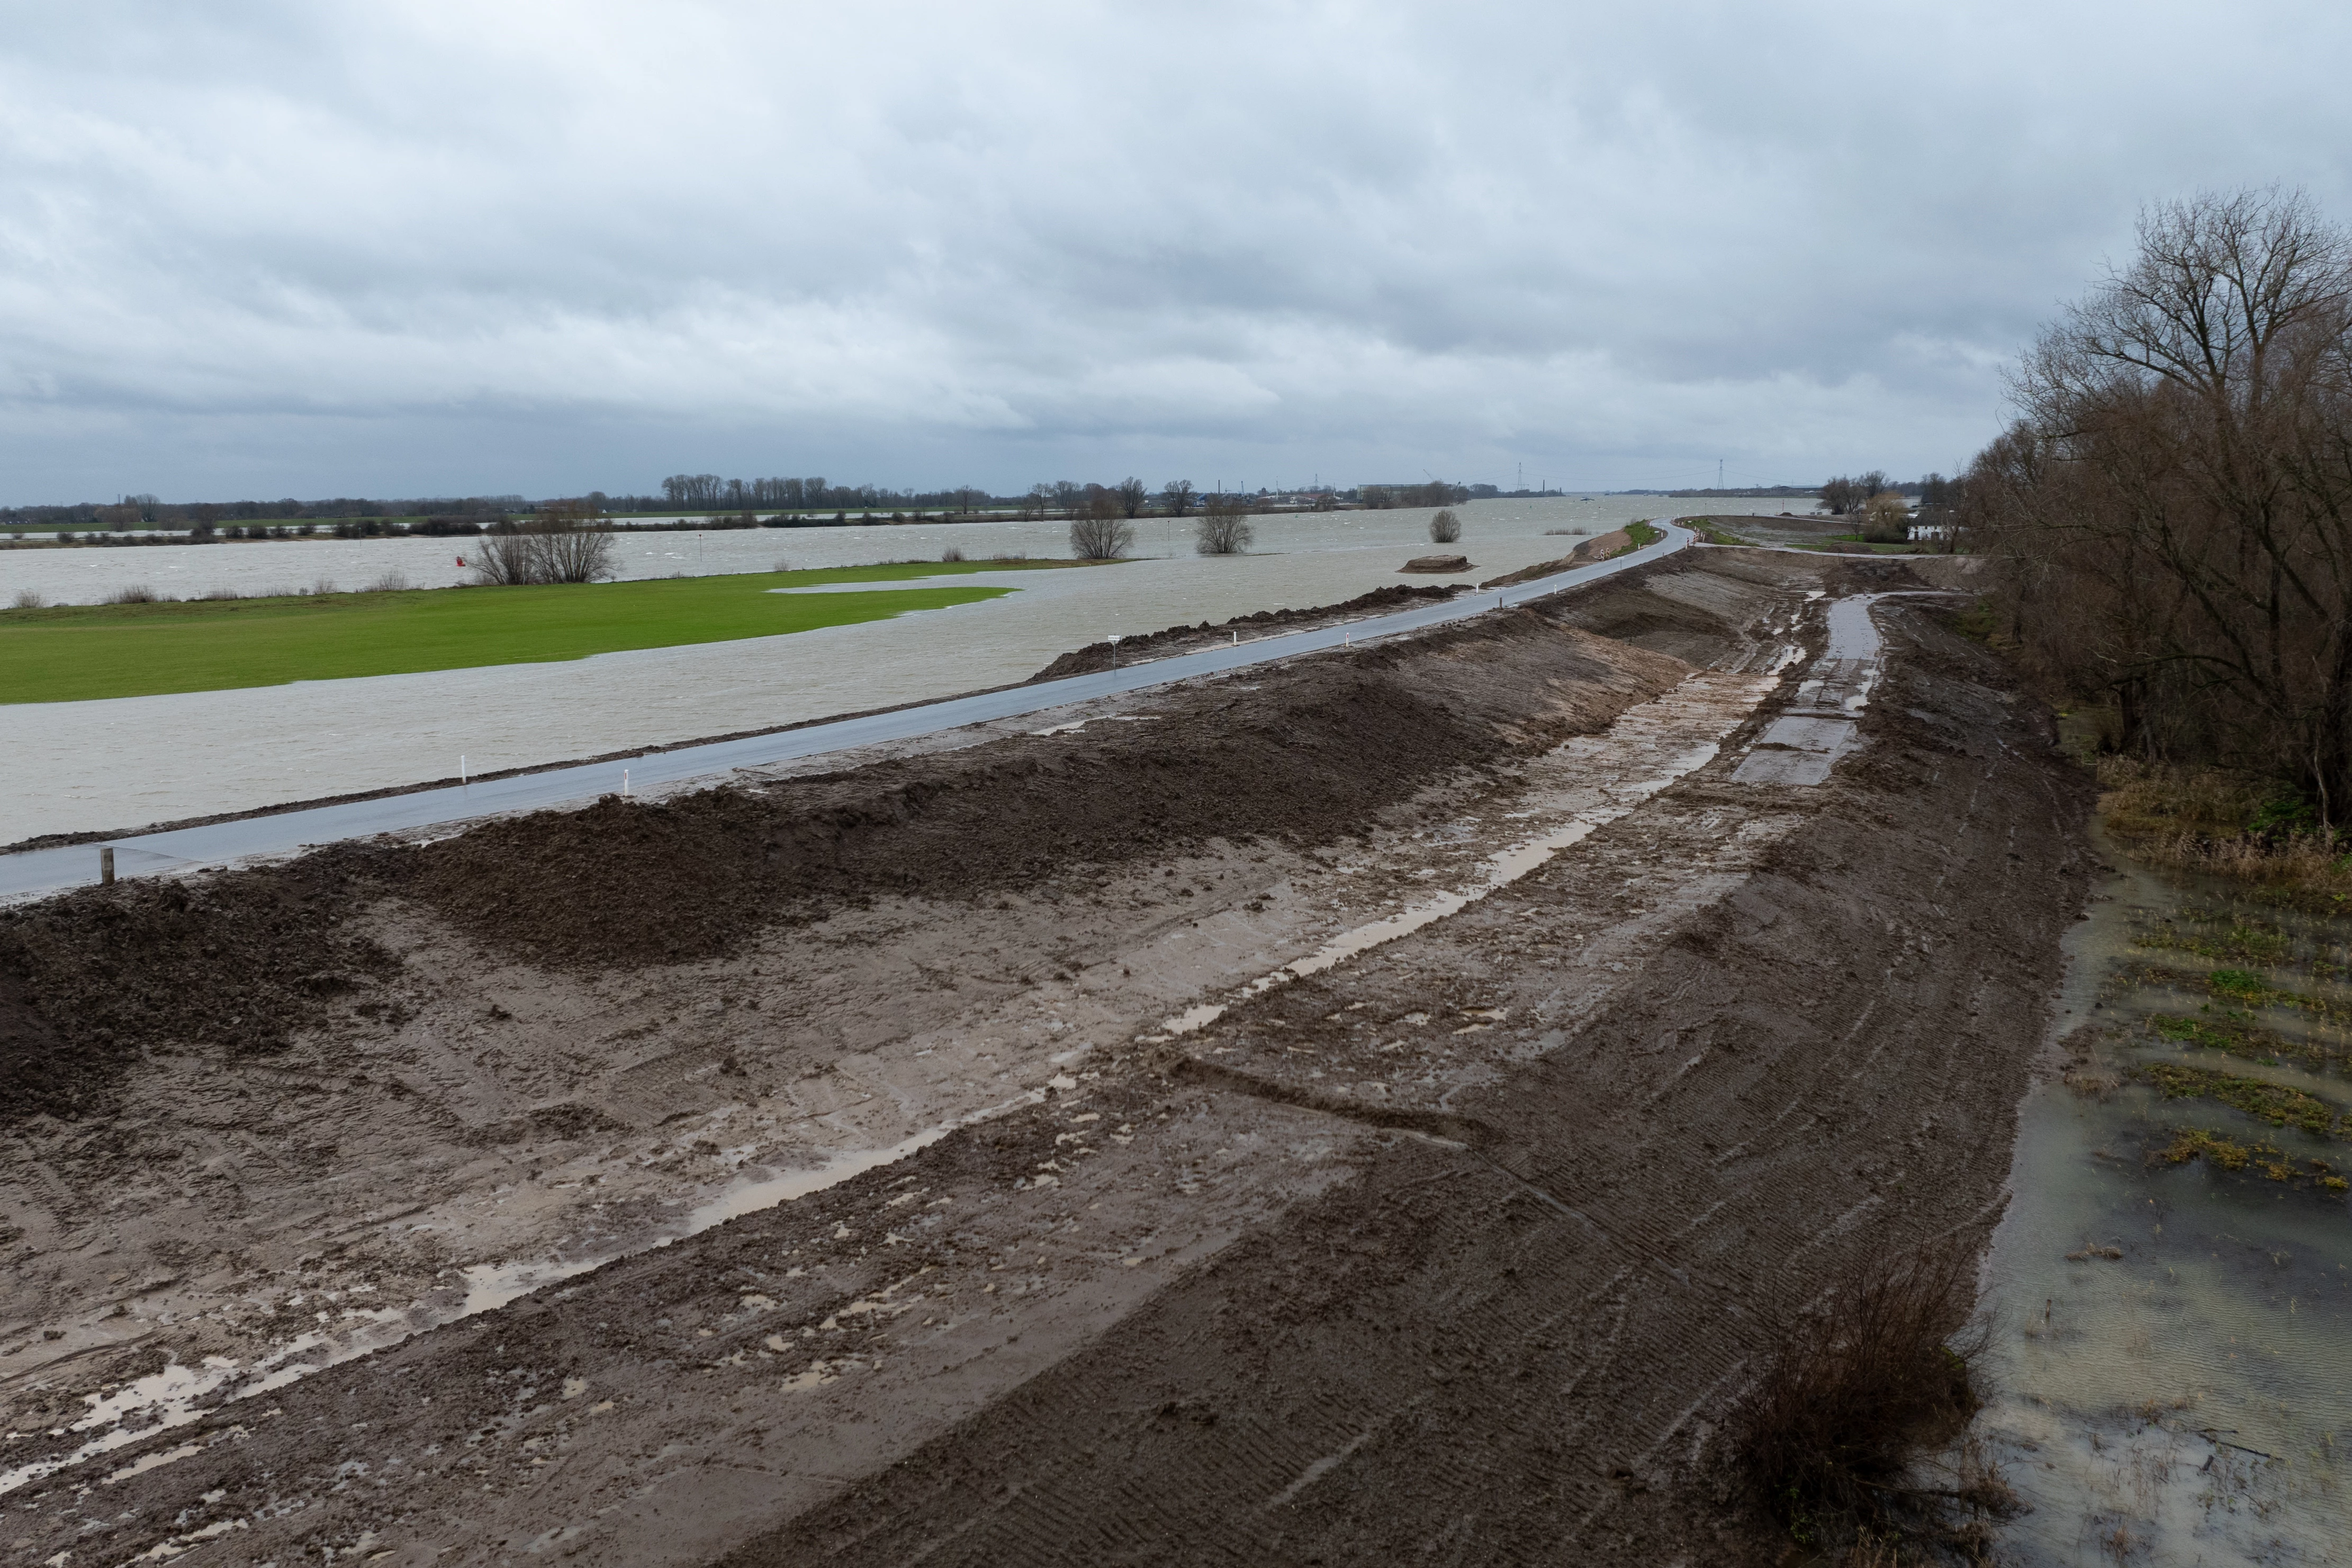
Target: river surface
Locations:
point(123, 764)
point(2171, 1352)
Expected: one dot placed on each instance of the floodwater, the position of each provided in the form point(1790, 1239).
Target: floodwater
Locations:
point(121, 764)
point(2171, 1354)
point(86, 576)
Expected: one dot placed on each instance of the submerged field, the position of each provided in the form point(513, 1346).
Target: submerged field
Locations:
point(80, 652)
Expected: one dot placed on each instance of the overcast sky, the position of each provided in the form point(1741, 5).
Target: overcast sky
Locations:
point(409, 248)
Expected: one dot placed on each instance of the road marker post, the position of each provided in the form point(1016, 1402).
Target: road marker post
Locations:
point(106, 867)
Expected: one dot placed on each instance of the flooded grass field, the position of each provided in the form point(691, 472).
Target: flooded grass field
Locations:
point(119, 763)
point(2171, 1288)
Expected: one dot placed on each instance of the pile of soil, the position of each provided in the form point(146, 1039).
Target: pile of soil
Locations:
point(1437, 563)
point(624, 883)
point(92, 981)
point(233, 963)
point(1599, 547)
point(1184, 640)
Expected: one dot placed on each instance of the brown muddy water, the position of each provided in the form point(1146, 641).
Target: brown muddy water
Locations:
point(2171, 1291)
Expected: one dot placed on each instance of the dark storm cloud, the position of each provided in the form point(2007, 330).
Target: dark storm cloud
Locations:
point(270, 248)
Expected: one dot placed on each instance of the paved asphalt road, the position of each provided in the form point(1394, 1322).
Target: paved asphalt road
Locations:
point(33, 872)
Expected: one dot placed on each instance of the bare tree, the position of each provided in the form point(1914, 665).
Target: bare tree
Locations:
point(1444, 528)
point(1100, 537)
point(567, 542)
point(1841, 495)
point(2176, 505)
point(1132, 494)
point(1177, 496)
point(1067, 497)
point(1225, 527)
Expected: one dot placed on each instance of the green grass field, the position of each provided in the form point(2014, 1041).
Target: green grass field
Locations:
point(77, 652)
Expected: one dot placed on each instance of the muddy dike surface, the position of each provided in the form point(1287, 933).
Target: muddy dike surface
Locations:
point(1375, 1109)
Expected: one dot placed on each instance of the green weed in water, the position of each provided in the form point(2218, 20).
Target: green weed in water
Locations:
point(2277, 1104)
point(2228, 1032)
point(2266, 1160)
point(2243, 942)
point(2242, 987)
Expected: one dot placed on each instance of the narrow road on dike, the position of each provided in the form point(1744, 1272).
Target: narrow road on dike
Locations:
point(33, 872)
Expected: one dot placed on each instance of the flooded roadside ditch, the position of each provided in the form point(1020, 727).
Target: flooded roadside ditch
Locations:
point(2171, 1291)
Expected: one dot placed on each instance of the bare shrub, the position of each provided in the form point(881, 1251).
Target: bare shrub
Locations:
point(323, 585)
point(575, 552)
point(1002, 555)
point(1444, 527)
point(28, 599)
point(221, 594)
point(392, 581)
point(1100, 537)
point(506, 559)
point(137, 594)
point(1225, 526)
point(1832, 1436)
point(567, 542)
point(951, 553)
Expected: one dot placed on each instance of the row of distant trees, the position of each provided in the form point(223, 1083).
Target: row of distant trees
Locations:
point(2174, 501)
point(708, 493)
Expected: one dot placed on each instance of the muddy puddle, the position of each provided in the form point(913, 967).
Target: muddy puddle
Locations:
point(2171, 1291)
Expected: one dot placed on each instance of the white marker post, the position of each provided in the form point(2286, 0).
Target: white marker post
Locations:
point(462, 780)
point(1114, 651)
point(624, 783)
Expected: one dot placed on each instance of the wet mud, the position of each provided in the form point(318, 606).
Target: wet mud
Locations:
point(975, 1158)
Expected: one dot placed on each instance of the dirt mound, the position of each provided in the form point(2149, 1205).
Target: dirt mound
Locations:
point(1314, 753)
point(1599, 547)
point(1183, 639)
point(91, 981)
point(1438, 563)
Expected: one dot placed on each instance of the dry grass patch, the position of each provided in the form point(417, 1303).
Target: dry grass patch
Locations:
point(2223, 824)
point(1836, 1436)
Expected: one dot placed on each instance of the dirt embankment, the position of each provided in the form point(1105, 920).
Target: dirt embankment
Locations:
point(1599, 547)
point(1188, 639)
point(1456, 1249)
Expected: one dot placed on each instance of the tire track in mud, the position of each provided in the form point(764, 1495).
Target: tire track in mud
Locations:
point(1566, 1452)
point(1455, 1261)
point(1648, 745)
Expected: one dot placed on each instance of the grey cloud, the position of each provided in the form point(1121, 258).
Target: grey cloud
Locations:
point(298, 248)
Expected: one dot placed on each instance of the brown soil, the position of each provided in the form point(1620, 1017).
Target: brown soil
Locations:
point(1458, 1250)
point(1188, 639)
point(1599, 547)
point(1437, 563)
